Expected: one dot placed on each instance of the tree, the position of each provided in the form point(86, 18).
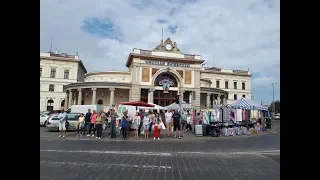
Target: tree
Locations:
point(276, 105)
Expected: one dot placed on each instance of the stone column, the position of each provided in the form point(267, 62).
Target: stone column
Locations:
point(130, 91)
point(191, 97)
point(94, 95)
point(66, 101)
point(218, 99)
point(150, 98)
point(70, 98)
point(111, 96)
point(181, 95)
point(79, 96)
point(208, 100)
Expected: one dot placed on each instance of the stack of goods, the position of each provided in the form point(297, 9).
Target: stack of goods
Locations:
point(231, 132)
point(257, 127)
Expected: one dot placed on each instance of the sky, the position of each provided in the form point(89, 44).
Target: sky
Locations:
point(236, 34)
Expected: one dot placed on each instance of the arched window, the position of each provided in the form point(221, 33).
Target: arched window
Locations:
point(100, 102)
point(50, 105)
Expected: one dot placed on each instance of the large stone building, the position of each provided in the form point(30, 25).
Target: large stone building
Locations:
point(158, 76)
point(56, 70)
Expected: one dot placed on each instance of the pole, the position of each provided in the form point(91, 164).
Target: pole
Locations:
point(51, 45)
point(273, 106)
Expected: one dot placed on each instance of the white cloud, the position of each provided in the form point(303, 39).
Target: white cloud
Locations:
point(236, 34)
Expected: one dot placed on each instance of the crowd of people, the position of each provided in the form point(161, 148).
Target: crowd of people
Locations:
point(92, 123)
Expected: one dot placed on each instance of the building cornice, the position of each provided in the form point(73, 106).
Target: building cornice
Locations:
point(107, 72)
point(226, 73)
point(64, 59)
point(213, 90)
point(96, 84)
point(162, 58)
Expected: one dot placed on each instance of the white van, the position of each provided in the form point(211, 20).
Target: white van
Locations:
point(122, 108)
point(84, 108)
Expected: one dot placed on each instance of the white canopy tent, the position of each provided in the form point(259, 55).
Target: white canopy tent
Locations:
point(156, 107)
point(175, 106)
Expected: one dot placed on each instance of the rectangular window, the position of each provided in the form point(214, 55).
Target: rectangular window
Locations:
point(226, 85)
point(243, 86)
point(53, 73)
point(235, 85)
point(51, 87)
point(235, 97)
point(66, 74)
point(217, 84)
point(244, 96)
point(40, 72)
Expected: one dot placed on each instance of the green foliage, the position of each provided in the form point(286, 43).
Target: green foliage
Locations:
point(277, 106)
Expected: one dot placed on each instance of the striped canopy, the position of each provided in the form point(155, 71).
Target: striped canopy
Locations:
point(245, 103)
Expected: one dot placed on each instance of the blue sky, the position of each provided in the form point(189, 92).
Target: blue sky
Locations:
point(226, 33)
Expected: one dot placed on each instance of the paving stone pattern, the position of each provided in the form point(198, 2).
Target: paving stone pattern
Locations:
point(57, 165)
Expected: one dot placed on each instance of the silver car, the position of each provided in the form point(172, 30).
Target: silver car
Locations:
point(53, 121)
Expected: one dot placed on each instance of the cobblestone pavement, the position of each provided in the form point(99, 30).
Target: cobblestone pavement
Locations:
point(256, 157)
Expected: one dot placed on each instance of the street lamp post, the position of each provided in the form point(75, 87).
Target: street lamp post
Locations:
point(273, 107)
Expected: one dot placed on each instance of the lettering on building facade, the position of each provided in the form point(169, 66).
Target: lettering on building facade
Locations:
point(161, 63)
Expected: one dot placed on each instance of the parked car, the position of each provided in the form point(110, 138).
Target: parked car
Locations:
point(276, 116)
point(53, 121)
point(43, 119)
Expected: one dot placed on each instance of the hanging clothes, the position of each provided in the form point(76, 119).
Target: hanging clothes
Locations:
point(213, 116)
point(239, 114)
point(267, 114)
point(243, 114)
point(232, 115)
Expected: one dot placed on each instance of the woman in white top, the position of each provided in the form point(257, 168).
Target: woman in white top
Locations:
point(80, 124)
point(146, 124)
point(189, 122)
point(168, 116)
point(136, 123)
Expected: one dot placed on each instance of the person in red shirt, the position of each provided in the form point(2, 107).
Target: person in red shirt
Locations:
point(91, 125)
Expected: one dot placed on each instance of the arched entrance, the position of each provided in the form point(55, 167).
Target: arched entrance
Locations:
point(100, 102)
point(50, 105)
point(164, 95)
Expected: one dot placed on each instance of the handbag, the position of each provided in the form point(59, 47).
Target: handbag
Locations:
point(67, 124)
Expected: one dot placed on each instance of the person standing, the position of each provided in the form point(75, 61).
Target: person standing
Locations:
point(87, 120)
point(146, 124)
point(80, 125)
point(189, 122)
point(62, 123)
point(98, 124)
point(142, 114)
point(176, 118)
point(136, 123)
point(113, 116)
point(162, 116)
point(152, 117)
point(124, 125)
point(92, 123)
point(168, 117)
point(156, 131)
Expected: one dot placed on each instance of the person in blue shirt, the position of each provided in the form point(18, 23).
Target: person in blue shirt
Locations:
point(124, 125)
point(62, 123)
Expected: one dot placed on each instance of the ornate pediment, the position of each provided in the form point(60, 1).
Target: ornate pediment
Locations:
point(168, 46)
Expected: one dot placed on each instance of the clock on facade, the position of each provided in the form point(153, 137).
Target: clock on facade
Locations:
point(168, 47)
